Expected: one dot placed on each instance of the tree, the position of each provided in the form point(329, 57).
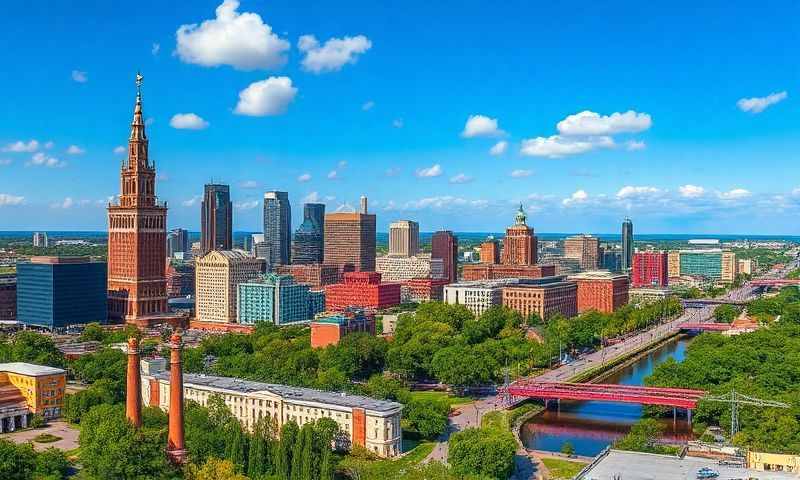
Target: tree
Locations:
point(568, 449)
point(483, 452)
point(462, 366)
point(725, 313)
point(205, 437)
point(642, 437)
point(428, 417)
point(297, 455)
point(259, 457)
point(31, 347)
point(78, 404)
point(283, 462)
point(236, 445)
point(383, 387)
point(17, 462)
point(310, 465)
point(214, 469)
point(51, 464)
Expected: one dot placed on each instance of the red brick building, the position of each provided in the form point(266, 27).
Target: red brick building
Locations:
point(350, 239)
point(361, 289)
point(137, 248)
point(423, 290)
point(330, 329)
point(180, 279)
point(545, 297)
point(520, 246)
point(650, 269)
point(600, 290)
point(444, 245)
point(485, 271)
point(315, 275)
point(490, 252)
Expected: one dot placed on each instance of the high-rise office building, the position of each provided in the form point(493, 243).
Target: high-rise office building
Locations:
point(137, 235)
point(177, 241)
point(278, 227)
point(650, 269)
point(308, 245)
point(40, 239)
point(627, 244)
point(277, 299)
point(350, 239)
point(444, 245)
point(585, 249)
point(216, 218)
point(217, 276)
point(520, 246)
point(404, 238)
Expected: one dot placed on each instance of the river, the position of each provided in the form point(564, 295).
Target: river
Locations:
point(592, 426)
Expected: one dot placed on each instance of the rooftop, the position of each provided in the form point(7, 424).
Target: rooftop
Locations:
point(30, 369)
point(287, 392)
point(597, 275)
point(509, 282)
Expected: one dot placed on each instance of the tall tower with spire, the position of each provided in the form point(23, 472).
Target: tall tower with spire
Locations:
point(520, 245)
point(137, 224)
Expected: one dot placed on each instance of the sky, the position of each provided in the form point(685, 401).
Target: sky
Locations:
point(682, 115)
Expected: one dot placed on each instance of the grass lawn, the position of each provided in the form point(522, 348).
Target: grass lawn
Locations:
point(562, 469)
point(385, 469)
point(452, 400)
point(504, 419)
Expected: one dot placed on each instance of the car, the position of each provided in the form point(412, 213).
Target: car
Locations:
point(707, 472)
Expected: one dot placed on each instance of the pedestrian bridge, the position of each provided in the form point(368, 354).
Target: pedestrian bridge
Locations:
point(669, 397)
point(706, 327)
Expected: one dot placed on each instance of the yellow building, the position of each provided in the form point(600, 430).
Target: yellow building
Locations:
point(729, 267)
point(674, 264)
point(216, 276)
point(773, 462)
point(27, 389)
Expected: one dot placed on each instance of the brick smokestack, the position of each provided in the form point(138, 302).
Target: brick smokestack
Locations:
point(176, 448)
point(133, 399)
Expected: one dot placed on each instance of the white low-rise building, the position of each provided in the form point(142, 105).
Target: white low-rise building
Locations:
point(395, 268)
point(478, 296)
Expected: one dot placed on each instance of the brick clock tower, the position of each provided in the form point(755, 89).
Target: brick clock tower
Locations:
point(137, 291)
point(520, 245)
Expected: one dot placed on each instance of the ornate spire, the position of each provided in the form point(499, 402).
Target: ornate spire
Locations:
point(137, 126)
point(520, 217)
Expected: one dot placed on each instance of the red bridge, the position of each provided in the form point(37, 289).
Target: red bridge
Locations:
point(706, 327)
point(670, 397)
point(775, 282)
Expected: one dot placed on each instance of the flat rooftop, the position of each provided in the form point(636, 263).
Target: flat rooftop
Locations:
point(287, 392)
point(30, 369)
point(648, 466)
point(509, 282)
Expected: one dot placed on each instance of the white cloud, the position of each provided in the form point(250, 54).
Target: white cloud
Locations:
point(333, 175)
point(155, 49)
point(75, 150)
point(119, 150)
point(241, 40)
point(192, 201)
point(461, 178)
point(759, 104)
point(266, 97)
point(579, 196)
point(796, 192)
point(247, 205)
point(392, 171)
point(48, 145)
point(591, 123)
point(397, 123)
point(629, 191)
point(304, 177)
point(557, 146)
point(312, 197)
point(433, 171)
point(79, 76)
point(691, 191)
point(442, 203)
point(187, 121)
point(8, 199)
point(634, 145)
point(334, 54)
point(42, 159)
point(481, 126)
point(735, 194)
point(4, 162)
point(20, 146)
point(66, 203)
point(368, 105)
point(499, 148)
point(249, 184)
point(520, 173)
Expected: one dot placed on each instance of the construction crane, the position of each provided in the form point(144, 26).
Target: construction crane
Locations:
point(736, 399)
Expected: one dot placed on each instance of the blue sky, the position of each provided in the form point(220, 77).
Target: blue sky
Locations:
point(684, 117)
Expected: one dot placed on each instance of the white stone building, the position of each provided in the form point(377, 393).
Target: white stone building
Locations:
point(395, 268)
point(217, 275)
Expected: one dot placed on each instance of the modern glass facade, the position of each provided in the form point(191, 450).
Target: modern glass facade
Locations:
point(279, 300)
point(308, 243)
point(216, 218)
point(627, 244)
point(278, 227)
point(55, 295)
point(704, 264)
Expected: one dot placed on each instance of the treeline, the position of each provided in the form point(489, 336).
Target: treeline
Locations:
point(763, 364)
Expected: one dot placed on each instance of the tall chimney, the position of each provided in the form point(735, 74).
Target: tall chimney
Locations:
point(176, 448)
point(133, 396)
point(364, 204)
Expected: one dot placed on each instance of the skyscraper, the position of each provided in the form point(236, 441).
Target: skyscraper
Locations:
point(444, 245)
point(520, 245)
point(216, 218)
point(627, 244)
point(278, 227)
point(350, 239)
point(308, 244)
point(137, 235)
point(177, 241)
point(404, 238)
point(585, 249)
point(40, 239)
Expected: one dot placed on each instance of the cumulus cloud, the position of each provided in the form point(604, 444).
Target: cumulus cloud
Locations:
point(397, 123)
point(334, 54)
point(249, 184)
point(68, 202)
point(75, 150)
point(119, 150)
point(432, 171)
point(79, 76)
point(42, 159)
point(630, 191)
point(498, 148)
point(20, 146)
point(460, 178)
point(591, 123)
point(191, 202)
point(6, 199)
point(241, 40)
point(444, 202)
point(579, 196)
point(557, 146)
point(691, 191)
point(312, 197)
point(266, 97)
point(735, 194)
point(247, 205)
point(333, 175)
point(759, 104)
point(188, 121)
point(634, 145)
point(368, 105)
point(481, 126)
point(304, 177)
point(521, 173)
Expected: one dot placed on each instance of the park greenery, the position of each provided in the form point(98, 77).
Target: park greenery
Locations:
point(486, 452)
point(764, 364)
point(644, 437)
point(726, 313)
point(22, 462)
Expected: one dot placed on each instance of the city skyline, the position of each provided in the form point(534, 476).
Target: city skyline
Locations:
point(654, 145)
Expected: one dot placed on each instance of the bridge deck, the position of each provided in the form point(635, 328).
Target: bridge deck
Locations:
point(671, 397)
point(716, 327)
